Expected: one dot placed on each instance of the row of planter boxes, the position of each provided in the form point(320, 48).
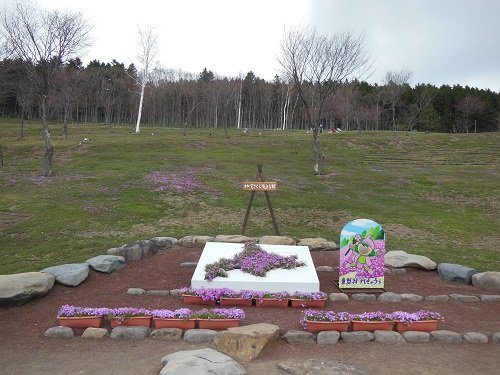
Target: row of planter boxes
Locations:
point(264, 302)
point(145, 321)
point(371, 326)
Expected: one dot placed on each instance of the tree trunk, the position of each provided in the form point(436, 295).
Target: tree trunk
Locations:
point(49, 149)
point(138, 124)
point(319, 158)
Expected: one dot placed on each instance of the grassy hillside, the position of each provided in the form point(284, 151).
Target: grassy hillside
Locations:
point(434, 194)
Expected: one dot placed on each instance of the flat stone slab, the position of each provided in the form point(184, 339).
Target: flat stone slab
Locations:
point(203, 362)
point(389, 297)
point(410, 297)
point(298, 337)
point(401, 259)
point(106, 263)
point(490, 297)
point(164, 243)
point(357, 337)
point(318, 243)
point(319, 367)
point(19, 288)
point(69, 274)
point(363, 297)
point(302, 279)
point(390, 337)
point(95, 333)
point(158, 293)
point(416, 336)
point(338, 297)
point(59, 332)
point(136, 292)
point(277, 240)
point(463, 298)
point(487, 280)
point(167, 334)
point(327, 337)
point(192, 241)
point(475, 338)
point(235, 238)
point(438, 298)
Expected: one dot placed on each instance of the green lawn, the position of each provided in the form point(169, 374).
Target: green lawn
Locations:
point(434, 194)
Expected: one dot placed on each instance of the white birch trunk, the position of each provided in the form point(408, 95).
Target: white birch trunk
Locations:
point(139, 114)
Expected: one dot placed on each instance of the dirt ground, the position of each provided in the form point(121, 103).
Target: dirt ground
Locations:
point(24, 349)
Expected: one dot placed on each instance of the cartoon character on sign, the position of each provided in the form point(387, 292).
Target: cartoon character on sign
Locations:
point(365, 249)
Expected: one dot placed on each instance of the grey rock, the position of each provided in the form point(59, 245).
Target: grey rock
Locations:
point(106, 263)
point(387, 271)
point(363, 297)
point(317, 366)
point(318, 243)
point(357, 336)
point(158, 293)
point(438, 298)
point(277, 240)
point(495, 338)
point(200, 362)
point(236, 238)
point(338, 297)
point(136, 291)
point(189, 264)
point(327, 337)
point(324, 269)
point(164, 243)
point(167, 334)
point(487, 280)
point(95, 333)
point(199, 335)
point(192, 241)
point(446, 336)
point(464, 298)
point(298, 337)
point(416, 336)
point(389, 337)
point(135, 251)
point(456, 273)
point(130, 333)
point(389, 297)
point(69, 274)
point(401, 259)
point(19, 288)
point(410, 297)
point(490, 297)
point(175, 292)
point(475, 338)
point(59, 332)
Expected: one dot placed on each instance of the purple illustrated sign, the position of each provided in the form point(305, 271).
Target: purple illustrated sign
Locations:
point(362, 250)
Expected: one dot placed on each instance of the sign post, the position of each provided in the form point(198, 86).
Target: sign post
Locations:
point(259, 185)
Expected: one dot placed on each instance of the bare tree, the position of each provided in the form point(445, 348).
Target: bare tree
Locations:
point(148, 48)
point(317, 64)
point(46, 39)
point(396, 84)
point(469, 106)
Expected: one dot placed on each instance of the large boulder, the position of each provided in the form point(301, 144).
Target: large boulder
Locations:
point(69, 274)
point(318, 244)
point(192, 241)
point(487, 280)
point(401, 259)
point(277, 240)
point(164, 242)
point(200, 362)
point(456, 273)
point(21, 287)
point(236, 238)
point(135, 251)
point(106, 263)
point(246, 342)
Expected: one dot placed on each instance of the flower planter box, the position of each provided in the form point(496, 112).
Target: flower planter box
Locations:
point(307, 303)
point(144, 321)
point(174, 323)
point(235, 301)
point(80, 321)
point(218, 324)
point(424, 325)
point(196, 300)
point(371, 326)
point(271, 302)
point(315, 326)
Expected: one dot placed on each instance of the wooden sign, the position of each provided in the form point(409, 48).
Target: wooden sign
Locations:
point(259, 185)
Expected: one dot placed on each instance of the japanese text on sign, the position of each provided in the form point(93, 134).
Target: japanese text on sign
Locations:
point(259, 186)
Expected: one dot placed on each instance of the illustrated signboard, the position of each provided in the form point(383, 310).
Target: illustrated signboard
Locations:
point(362, 251)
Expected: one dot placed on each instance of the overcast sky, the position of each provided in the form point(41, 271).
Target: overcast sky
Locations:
point(439, 41)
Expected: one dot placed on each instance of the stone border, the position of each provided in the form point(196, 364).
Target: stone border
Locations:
point(293, 337)
point(388, 297)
